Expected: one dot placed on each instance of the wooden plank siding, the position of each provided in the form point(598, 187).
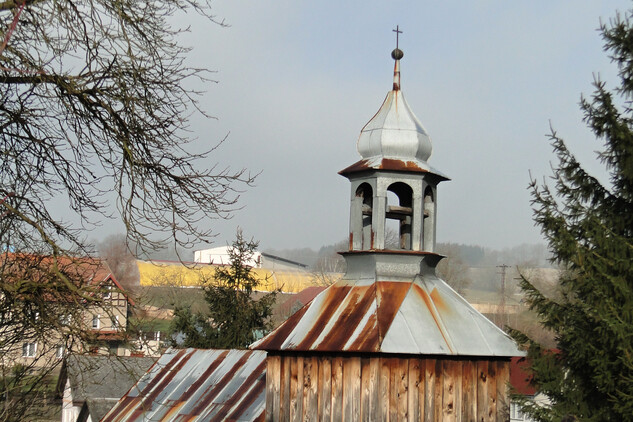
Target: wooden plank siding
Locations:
point(385, 388)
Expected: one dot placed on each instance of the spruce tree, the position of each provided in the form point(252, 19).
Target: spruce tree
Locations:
point(238, 319)
point(589, 228)
point(235, 318)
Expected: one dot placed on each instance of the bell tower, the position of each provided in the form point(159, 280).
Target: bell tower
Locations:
point(390, 340)
point(393, 188)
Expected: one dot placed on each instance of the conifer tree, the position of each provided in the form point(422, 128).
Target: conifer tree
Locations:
point(589, 229)
point(235, 318)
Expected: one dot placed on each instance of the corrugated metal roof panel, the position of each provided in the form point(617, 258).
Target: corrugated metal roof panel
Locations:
point(198, 385)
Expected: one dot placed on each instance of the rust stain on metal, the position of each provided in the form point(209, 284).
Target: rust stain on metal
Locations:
point(400, 165)
point(254, 378)
point(439, 302)
point(193, 388)
point(173, 409)
point(275, 340)
point(368, 339)
point(236, 390)
point(212, 392)
point(332, 298)
point(260, 384)
point(395, 252)
point(429, 304)
point(125, 404)
point(390, 296)
point(156, 386)
point(392, 164)
point(357, 305)
point(351, 241)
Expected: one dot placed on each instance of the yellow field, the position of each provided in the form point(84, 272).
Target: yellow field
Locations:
point(177, 274)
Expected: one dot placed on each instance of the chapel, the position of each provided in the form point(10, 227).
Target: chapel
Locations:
point(390, 341)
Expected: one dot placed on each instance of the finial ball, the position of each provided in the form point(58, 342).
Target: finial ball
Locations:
point(397, 54)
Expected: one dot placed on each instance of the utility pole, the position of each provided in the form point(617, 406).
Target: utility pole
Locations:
point(503, 290)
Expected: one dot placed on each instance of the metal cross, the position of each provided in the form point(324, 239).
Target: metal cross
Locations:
point(398, 32)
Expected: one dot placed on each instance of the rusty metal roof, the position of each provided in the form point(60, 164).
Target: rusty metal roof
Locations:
point(198, 385)
point(392, 164)
point(387, 304)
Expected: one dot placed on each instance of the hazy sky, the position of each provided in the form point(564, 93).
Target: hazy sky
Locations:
point(298, 80)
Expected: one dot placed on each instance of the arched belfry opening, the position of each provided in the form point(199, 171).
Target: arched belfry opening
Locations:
point(429, 220)
point(401, 212)
point(364, 199)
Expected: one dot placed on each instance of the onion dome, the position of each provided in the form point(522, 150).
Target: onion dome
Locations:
point(394, 139)
point(395, 132)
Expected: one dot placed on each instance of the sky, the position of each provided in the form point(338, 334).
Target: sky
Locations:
point(297, 81)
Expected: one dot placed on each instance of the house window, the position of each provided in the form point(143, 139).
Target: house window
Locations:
point(64, 319)
point(29, 350)
point(515, 412)
point(108, 292)
point(96, 321)
point(59, 351)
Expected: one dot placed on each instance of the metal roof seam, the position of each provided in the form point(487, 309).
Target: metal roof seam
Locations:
point(379, 297)
point(422, 283)
point(410, 332)
point(330, 322)
point(361, 325)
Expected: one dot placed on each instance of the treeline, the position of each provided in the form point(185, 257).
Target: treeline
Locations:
point(524, 255)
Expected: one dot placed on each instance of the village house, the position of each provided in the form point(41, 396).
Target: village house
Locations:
point(520, 382)
point(389, 341)
point(95, 320)
point(100, 310)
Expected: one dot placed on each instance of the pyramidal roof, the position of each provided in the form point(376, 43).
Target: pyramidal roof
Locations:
point(373, 313)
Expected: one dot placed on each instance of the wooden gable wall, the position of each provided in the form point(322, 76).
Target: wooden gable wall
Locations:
point(381, 388)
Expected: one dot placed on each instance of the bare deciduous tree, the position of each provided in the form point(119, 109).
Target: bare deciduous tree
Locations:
point(452, 269)
point(115, 251)
point(94, 115)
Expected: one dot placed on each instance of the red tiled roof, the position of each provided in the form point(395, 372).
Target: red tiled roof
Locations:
point(91, 271)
